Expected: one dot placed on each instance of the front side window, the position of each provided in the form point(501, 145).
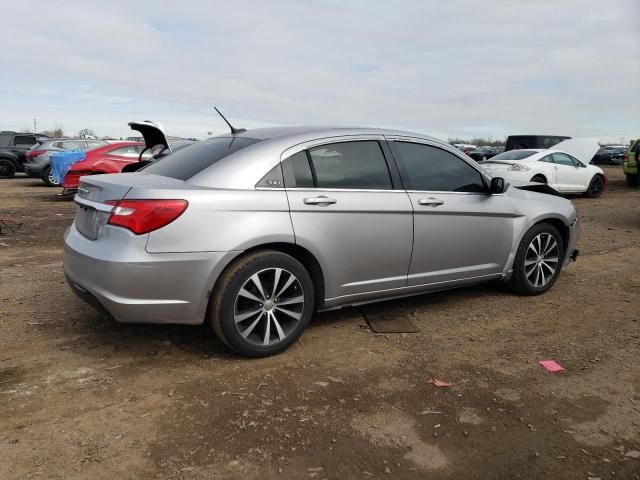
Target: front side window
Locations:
point(563, 159)
point(350, 165)
point(429, 168)
point(24, 140)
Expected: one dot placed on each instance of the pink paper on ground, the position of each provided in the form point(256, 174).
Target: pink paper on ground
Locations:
point(551, 366)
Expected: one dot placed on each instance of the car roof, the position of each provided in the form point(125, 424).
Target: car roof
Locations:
point(321, 131)
point(238, 169)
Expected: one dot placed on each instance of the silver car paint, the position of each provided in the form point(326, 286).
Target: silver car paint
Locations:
point(364, 243)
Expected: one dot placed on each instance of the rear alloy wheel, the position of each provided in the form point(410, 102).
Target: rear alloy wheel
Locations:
point(538, 260)
point(596, 187)
point(47, 177)
point(632, 180)
point(7, 168)
point(539, 179)
point(262, 303)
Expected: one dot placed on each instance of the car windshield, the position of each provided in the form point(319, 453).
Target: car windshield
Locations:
point(514, 155)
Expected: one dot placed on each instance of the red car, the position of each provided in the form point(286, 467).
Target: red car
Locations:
point(109, 158)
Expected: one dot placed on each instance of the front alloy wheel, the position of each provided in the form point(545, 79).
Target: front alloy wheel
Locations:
point(538, 260)
point(541, 260)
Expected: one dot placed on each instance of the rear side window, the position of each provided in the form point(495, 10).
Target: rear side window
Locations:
point(297, 171)
point(5, 138)
point(428, 168)
point(350, 165)
point(127, 151)
point(191, 160)
point(514, 155)
point(72, 145)
point(24, 140)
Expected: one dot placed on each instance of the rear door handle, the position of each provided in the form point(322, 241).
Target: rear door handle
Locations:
point(430, 202)
point(321, 201)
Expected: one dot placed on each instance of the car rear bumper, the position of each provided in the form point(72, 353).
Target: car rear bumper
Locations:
point(34, 170)
point(138, 287)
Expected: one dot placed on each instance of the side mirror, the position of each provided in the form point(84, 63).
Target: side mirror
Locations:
point(496, 186)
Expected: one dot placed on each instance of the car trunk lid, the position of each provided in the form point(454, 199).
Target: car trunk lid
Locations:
point(94, 191)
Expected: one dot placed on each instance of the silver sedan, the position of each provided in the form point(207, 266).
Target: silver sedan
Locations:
point(256, 230)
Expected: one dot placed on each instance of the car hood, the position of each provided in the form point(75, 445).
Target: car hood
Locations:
point(152, 132)
point(582, 148)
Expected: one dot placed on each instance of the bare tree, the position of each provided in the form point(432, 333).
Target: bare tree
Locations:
point(86, 132)
point(57, 132)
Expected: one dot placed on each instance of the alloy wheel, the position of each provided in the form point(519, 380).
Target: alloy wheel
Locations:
point(269, 306)
point(51, 179)
point(6, 170)
point(541, 260)
point(596, 186)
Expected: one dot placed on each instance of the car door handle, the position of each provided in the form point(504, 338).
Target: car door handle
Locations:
point(430, 202)
point(321, 201)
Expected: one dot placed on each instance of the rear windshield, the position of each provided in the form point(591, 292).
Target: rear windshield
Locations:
point(514, 155)
point(189, 161)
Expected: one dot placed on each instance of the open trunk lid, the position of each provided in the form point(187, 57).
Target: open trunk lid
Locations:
point(582, 148)
point(152, 132)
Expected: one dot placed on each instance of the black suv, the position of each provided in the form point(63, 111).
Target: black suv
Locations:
point(13, 149)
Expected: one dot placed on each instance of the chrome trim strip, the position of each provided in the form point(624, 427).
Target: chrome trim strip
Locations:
point(101, 207)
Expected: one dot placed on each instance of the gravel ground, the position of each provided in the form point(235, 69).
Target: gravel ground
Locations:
point(84, 397)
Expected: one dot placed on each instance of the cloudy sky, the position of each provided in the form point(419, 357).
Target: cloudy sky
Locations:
point(454, 68)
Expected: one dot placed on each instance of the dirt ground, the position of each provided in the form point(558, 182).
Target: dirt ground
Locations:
point(84, 397)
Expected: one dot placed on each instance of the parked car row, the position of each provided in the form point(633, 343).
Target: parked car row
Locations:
point(481, 154)
point(610, 155)
point(13, 150)
point(564, 167)
point(38, 162)
point(631, 164)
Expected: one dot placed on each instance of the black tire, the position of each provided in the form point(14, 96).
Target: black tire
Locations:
point(519, 281)
point(539, 179)
point(632, 180)
point(7, 168)
point(48, 179)
point(225, 301)
point(596, 187)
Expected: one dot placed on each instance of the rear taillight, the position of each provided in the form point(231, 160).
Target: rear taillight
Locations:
point(144, 216)
point(72, 178)
point(626, 158)
point(34, 153)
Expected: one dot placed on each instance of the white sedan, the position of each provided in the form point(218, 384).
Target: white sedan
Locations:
point(565, 167)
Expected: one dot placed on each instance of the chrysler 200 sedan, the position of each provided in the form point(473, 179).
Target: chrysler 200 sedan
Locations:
point(254, 231)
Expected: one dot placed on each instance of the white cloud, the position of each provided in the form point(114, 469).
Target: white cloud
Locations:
point(446, 68)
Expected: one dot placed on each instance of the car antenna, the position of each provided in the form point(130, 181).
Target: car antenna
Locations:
point(234, 130)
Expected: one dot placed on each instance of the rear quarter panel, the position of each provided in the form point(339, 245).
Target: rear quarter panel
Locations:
point(222, 220)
